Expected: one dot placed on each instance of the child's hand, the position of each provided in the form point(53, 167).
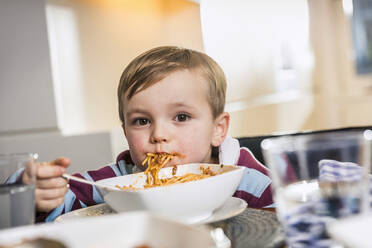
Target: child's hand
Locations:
point(50, 186)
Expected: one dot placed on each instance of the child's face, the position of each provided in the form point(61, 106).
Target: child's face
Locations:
point(173, 116)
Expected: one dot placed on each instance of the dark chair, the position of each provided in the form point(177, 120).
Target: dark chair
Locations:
point(254, 143)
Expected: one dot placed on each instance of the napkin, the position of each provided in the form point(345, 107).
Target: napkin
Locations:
point(229, 151)
point(333, 171)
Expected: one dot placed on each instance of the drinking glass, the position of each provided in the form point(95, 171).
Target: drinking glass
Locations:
point(17, 191)
point(318, 178)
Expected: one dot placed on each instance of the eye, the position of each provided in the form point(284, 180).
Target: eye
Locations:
point(140, 122)
point(182, 117)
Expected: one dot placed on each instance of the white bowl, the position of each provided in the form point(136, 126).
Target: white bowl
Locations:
point(188, 202)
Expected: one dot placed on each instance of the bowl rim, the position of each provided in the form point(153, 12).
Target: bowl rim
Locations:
point(236, 169)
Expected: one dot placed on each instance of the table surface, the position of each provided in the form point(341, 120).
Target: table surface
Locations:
point(253, 228)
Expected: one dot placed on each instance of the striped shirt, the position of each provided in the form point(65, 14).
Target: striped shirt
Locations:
point(254, 187)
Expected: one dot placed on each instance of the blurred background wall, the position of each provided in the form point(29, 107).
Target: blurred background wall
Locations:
point(290, 66)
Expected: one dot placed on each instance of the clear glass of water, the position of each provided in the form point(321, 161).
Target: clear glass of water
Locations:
point(318, 178)
point(17, 189)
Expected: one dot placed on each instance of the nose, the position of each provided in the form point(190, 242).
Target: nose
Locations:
point(159, 135)
point(156, 140)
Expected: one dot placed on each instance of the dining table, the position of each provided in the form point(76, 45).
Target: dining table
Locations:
point(251, 227)
point(248, 227)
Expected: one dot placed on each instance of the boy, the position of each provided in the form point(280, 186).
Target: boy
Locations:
point(171, 100)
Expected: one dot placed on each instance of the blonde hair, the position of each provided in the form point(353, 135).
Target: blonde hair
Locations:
point(152, 66)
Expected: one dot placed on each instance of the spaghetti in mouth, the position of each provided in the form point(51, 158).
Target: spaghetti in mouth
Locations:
point(156, 161)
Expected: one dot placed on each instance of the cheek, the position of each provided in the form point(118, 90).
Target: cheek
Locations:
point(136, 142)
point(195, 145)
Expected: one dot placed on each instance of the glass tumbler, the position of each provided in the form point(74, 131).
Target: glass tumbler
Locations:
point(318, 178)
point(17, 189)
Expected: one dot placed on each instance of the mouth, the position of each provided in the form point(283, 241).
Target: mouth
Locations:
point(173, 154)
point(174, 157)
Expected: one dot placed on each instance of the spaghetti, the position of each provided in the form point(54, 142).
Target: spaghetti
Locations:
point(156, 161)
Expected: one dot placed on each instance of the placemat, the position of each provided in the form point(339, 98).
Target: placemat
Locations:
point(253, 228)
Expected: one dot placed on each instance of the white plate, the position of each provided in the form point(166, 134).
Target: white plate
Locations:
point(124, 230)
point(353, 232)
point(232, 207)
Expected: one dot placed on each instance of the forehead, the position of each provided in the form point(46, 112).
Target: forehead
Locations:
point(177, 79)
point(178, 86)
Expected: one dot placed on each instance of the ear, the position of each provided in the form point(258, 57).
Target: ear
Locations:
point(221, 126)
